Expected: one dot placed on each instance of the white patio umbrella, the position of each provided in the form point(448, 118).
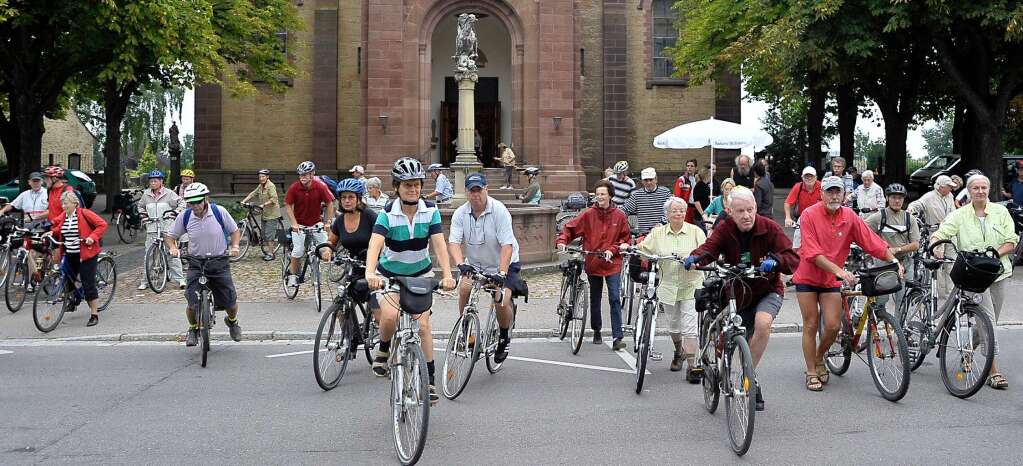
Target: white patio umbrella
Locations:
point(718, 134)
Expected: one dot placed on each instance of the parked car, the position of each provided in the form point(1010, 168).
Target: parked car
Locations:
point(10, 189)
point(922, 180)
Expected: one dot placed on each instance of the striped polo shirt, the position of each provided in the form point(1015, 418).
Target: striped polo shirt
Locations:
point(623, 189)
point(407, 247)
point(647, 206)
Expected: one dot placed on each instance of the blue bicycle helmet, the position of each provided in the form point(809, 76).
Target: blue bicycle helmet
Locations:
point(156, 174)
point(351, 185)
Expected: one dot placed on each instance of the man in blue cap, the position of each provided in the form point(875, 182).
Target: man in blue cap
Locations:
point(481, 235)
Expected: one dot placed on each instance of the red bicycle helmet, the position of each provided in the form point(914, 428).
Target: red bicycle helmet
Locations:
point(54, 171)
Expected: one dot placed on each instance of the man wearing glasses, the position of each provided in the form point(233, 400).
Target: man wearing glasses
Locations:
point(33, 201)
point(483, 226)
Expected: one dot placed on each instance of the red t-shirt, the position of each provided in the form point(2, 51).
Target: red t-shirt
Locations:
point(307, 202)
point(802, 198)
point(55, 210)
point(830, 236)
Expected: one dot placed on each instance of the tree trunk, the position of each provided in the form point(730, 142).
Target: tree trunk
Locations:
point(11, 141)
point(848, 106)
point(989, 160)
point(30, 139)
point(958, 127)
point(895, 132)
point(815, 127)
point(115, 106)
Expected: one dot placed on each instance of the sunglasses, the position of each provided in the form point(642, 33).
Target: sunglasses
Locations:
point(200, 201)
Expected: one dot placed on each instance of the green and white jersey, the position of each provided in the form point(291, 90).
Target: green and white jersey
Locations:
point(407, 247)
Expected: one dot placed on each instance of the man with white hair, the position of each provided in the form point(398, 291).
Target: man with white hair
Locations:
point(932, 208)
point(742, 174)
point(647, 202)
point(748, 238)
point(359, 173)
point(868, 197)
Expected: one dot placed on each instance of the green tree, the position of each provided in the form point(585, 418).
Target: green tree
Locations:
point(938, 138)
point(188, 151)
point(870, 150)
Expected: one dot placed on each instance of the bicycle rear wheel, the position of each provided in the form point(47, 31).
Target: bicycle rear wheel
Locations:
point(245, 240)
point(410, 404)
point(579, 310)
point(16, 288)
point(49, 304)
point(333, 346)
point(106, 281)
point(740, 401)
point(887, 356)
point(461, 354)
point(314, 269)
point(156, 268)
point(839, 355)
point(966, 349)
point(914, 326)
point(5, 259)
point(643, 344)
point(494, 336)
point(205, 319)
point(564, 308)
point(709, 362)
point(125, 230)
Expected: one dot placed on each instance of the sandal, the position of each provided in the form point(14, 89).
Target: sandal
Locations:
point(813, 382)
point(997, 381)
point(823, 374)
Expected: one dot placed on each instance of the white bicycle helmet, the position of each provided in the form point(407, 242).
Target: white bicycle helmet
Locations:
point(434, 167)
point(196, 192)
point(407, 168)
point(306, 167)
point(620, 167)
point(531, 171)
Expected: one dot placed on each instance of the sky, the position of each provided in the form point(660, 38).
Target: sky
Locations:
point(752, 114)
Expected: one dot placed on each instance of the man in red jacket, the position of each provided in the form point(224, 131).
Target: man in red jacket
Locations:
point(602, 227)
point(55, 182)
point(751, 239)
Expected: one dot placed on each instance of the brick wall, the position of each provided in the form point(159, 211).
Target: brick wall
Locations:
point(590, 83)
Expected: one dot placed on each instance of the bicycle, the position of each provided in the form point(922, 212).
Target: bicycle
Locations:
point(410, 394)
point(206, 313)
point(646, 319)
point(887, 354)
point(340, 333)
point(252, 232)
point(7, 226)
point(60, 290)
point(157, 260)
point(627, 288)
point(722, 337)
point(19, 280)
point(960, 320)
point(126, 216)
point(310, 261)
point(575, 297)
point(466, 345)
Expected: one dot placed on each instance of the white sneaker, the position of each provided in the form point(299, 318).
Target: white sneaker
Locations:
point(292, 280)
point(143, 286)
point(181, 285)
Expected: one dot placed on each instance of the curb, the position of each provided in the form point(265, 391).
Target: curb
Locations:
point(786, 328)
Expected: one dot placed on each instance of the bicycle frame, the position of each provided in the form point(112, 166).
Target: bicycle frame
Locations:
point(479, 285)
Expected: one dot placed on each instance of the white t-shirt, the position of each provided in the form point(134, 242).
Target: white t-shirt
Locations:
point(482, 238)
point(32, 202)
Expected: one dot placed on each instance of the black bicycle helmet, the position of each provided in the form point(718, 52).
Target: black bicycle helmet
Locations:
point(895, 188)
point(406, 169)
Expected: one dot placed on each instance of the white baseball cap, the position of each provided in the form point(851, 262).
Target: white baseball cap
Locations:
point(832, 182)
point(809, 171)
point(944, 180)
point(357, 168)
point(648, 173)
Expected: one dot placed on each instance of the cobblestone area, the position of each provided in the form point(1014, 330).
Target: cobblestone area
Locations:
point(259, 281)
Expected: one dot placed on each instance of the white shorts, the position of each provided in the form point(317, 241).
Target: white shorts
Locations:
point(298, 242)
point(681, 317)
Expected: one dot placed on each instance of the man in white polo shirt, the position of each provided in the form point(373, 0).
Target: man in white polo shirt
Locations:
point(32, 201)
point(483, 227)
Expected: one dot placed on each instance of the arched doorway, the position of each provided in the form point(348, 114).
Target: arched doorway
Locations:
point(493, 90)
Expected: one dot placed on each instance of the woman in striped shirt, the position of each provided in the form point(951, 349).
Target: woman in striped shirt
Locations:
point(81, 229)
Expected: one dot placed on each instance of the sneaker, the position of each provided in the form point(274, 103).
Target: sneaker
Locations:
point(380, 363)
point(597, 340)
point(268, 257)
point(235, 329)
point(501, 353)
point(192, 337)
point(618, 345)
point(292, 280)
point(93, 320)
point(142, 287)
point(181, 285)
point(760, 398)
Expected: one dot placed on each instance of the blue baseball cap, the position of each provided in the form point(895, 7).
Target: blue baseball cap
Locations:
point(475, 180)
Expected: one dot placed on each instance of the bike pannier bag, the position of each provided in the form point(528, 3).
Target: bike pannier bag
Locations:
point(882, 280)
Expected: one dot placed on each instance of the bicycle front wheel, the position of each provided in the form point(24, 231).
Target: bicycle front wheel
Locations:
point(709, 361)
point(314, 268)
point(740, 400)
point(289, 291)
point(16, 288)
point(49, 304)
point(370, 334)
point(106, 281)
point(410, 404)
point(914, 326)
point(156, 268)
point(839, 354)
point(205, 320)
point(643, 345)
point(5, 259)
point(887, 356)
point(578, 324)
point(333, 346)
point(966, 349)
point(461, 354)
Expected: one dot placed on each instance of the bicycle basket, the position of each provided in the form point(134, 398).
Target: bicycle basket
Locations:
point(882, 280)
point(975, 271)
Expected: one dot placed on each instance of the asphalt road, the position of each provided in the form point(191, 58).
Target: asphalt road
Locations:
point(89, 403)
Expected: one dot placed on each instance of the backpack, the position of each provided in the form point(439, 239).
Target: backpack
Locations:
point(217, 215)
point(330, 182)
point(884, 223)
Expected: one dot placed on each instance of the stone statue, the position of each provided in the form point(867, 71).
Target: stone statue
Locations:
point(465, 47)
point(174, 143)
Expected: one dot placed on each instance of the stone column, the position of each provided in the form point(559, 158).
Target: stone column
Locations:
point(466, 76)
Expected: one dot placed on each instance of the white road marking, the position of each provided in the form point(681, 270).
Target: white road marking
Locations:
point(6, 352)
point(281, 355)
point(629, 359)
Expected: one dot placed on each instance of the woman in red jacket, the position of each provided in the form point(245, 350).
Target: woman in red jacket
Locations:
point(602, 227)
point(81, 229)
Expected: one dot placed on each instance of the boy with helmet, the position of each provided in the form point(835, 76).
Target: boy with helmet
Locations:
point(897, 228)
point(266, 197)
point(622, 184)
point(304, 201)
point(155, 202)
point(443, 190)
point(207, 230)
point(400, 246)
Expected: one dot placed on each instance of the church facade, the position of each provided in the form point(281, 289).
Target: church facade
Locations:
point(571, 85)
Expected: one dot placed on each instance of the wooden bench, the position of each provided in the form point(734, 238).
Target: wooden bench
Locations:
point(253, 180)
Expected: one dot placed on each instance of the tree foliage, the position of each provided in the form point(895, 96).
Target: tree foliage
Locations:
point(938, 138)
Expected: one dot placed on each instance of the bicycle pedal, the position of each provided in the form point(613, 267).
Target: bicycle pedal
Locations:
point(656, 356)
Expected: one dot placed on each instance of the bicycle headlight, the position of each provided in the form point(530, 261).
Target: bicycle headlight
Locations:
point(737, 320)
point(975, 298)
